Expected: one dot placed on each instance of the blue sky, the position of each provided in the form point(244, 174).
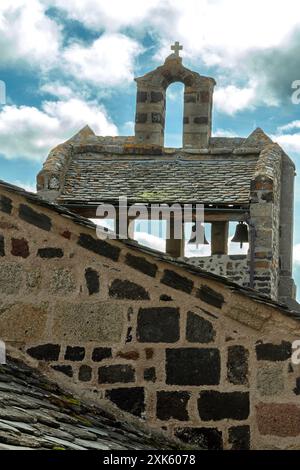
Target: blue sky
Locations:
point(68, 63)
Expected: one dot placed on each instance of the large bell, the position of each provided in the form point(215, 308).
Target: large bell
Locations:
point(197, 229)
point(241, 234)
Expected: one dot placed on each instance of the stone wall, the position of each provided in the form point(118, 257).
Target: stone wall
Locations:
point(188, 352)
point(234, 267)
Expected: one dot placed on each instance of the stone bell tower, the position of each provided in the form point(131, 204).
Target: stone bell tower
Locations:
point(151, 103)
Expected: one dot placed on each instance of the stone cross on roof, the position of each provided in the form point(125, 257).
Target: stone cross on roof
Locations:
point(176, 48)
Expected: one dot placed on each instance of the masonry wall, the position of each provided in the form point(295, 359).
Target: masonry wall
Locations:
point(185, 352)
point(234, 267)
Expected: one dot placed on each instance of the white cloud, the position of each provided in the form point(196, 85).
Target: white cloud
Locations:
point(296, 254)
point(290, 126)
point(231, 99)
point(57, 89)
point(27, 34)
point(289, 142)
point(108, 61)
point(30, 132)
point(25, 185)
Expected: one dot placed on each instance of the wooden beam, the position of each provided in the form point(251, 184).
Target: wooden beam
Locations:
point(219, 238)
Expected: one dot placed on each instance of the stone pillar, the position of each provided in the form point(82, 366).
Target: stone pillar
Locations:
point(174, 246)
point(219, 238)
point(287, 288)
point(150, 115)
point(197, 119)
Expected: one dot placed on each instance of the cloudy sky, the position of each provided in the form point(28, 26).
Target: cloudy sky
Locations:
point(68, 63)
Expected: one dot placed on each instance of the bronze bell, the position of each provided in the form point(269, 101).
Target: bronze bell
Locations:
point(201, 232)
point(241, 234)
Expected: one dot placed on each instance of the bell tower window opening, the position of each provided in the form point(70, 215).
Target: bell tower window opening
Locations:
point(174, 115)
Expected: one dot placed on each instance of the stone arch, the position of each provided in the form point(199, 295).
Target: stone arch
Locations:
point(151, 104)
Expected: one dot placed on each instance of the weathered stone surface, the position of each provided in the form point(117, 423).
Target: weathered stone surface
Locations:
point(278, 419)
point(117, 373)
point(64, 369)
point(92, 281)
point(149, 352)
point(100, 247)
point(123, 289)
point(237, 365)
point(150, 374)
point(297, 388)
point(5, 204)
point(2, 250)
point(199, 330)
point(165, 298)
point(201, 120)
point(239, 437)
point(128, 399)
point(274, 352)
point(210, 296)
point(205, 438)
point(141, 118)
point(175, 280)
point(19, 247)
point(62, 281)
point(158, 325)
point(74, 353)
point(38, 219)
point(85, 373)
point(156, 96)
point(23, 322)
point(33, 278)
point(101, 353)
point(193, 366)
point(270, 379)
point(254, 319)
point(141, 264)
point(49, 252)
point(98, 321)
point(215, 406)
point(172, 405)
point(45, 352)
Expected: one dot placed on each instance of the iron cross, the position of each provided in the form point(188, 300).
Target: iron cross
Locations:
point(176, 48)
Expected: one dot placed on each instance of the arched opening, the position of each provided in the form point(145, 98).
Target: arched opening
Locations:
point(174, 115)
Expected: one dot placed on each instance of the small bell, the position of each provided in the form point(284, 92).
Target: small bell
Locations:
point(201, 235)
point(241, 234)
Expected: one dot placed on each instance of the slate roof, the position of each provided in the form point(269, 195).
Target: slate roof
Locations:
point(223, 178)
point(35, 413)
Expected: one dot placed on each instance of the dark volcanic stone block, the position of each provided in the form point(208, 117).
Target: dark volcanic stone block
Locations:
point(85, 373)
point(101, 353)
point(237, 365)
point(158, 325)
point(5, 204)
point(141, 118)
point(274, 352)
point(64, 369)
point(193, 366)
point(123, 289)
point(50, 252)
point(141, 96)
point(2, 250)
point(92, 281)
point(213, 405)
point(156, 96)
point(74, 353)
point(172, 405)
point(19, 247)
point(172, 279)
point(210, 296)
point(201, 120)
point(128, 399)
point(157, 118)
point(150, 374)
point(205, 438)
point(116, 373)
point(45, 352)
point(239, 437)
point(100, 247)
point(199, 330)
point(38, 219)
point(141, 264)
